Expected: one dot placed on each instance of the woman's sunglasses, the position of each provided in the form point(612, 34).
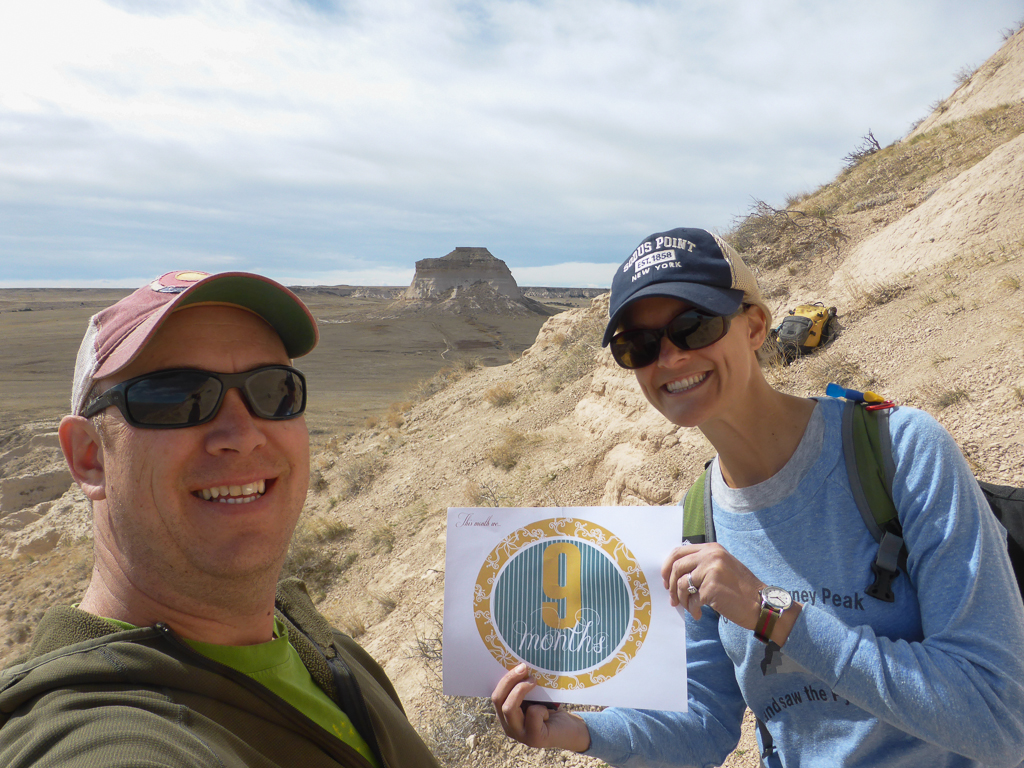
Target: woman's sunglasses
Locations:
point(689, 330)
point(185, 397)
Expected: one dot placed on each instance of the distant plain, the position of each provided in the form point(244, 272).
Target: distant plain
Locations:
point(365, 360)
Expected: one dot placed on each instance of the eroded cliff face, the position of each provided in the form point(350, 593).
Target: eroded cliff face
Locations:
point(462, 268)
point(466, 281)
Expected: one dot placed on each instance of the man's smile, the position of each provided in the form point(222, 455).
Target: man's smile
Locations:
point(233, 494)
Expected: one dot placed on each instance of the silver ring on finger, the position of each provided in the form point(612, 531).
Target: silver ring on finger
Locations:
point(690, 588)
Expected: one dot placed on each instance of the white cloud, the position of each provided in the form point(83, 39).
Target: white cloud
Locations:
point(278, 133)
point(570, 274)
point(383, 276)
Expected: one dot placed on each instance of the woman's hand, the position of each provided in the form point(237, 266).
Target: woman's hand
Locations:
point(538, 726)
point(722, 583)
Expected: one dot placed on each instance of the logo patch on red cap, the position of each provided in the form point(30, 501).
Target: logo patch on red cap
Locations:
point(176, 282)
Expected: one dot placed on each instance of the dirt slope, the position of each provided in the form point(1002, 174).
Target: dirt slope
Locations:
point(1000, 80)
point(923, 260)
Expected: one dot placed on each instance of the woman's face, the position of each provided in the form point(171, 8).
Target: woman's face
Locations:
point(691, 387)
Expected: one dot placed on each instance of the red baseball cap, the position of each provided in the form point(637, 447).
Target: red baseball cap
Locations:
point(117, 334)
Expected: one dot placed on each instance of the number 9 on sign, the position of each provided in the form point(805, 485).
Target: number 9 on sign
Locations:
point(562, 584)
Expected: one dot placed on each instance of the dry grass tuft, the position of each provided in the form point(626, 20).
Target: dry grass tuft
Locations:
point(357, 475)
point(506, 454)
point(828, 366)
point(882, 293)
point(383, 539)
point(312, 558)
point(352, 625)
point(1010, 283)
point(964, 74)
point(463, 727)
point(395, 416)
point(942, 397)
point(330, 530)
point(952, 397)
point(576, 361)
point(317, 482)
point(1018, 393)
point(385, 601)
point(445, 377)
point(482, 495)
point(553, 340)
point(501, 394)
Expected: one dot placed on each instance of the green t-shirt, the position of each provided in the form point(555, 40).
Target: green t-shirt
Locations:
point(276, 665)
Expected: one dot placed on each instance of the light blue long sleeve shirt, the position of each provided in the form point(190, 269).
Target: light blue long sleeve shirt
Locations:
point(934, 679)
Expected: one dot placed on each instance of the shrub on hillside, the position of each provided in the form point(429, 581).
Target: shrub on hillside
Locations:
point(311, 558)
point(867, 147)
point(770, 237)
point(359, 473)
point(506, 454)
point(501, 394)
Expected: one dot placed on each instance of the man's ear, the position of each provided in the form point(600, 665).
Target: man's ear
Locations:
point(83, 452)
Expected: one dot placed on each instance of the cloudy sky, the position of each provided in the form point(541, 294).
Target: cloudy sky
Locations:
point(338, 141)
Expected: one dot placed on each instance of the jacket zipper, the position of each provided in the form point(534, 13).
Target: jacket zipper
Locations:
point(330, 744)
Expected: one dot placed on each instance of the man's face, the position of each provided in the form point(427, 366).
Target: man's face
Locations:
point(155, 517)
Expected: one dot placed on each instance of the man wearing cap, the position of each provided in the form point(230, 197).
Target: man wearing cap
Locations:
point(187, 434)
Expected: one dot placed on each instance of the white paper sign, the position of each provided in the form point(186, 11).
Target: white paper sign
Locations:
point(576, 593)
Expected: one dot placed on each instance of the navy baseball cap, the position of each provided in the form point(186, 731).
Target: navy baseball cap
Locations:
point(688, 264)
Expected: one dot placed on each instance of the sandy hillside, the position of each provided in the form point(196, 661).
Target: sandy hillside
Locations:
point(920, 247)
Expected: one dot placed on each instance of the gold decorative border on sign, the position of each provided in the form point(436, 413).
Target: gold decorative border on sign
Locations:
point(564, 527)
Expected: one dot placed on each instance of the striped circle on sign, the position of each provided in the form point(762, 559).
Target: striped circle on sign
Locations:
point(567, 597)
point(546, 616)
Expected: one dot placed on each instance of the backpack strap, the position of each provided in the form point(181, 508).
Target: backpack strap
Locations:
point(348, 695)
point(698, 520)
point(1007, 503)
point(867, 448)
point(767, 742)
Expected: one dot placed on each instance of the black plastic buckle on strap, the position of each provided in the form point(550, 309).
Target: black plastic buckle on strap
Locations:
point(885, 567)
point(881, 589)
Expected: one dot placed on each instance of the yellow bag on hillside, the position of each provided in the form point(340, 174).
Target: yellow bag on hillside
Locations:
point(806, 328)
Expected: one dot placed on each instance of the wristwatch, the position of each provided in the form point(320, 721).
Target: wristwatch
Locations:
point(774, 600)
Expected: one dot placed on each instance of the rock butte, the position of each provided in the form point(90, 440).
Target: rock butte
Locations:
point(462, 268)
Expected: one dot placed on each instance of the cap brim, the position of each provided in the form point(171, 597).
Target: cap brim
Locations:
point(281, 308)
point(277, 305)
point(707, 298)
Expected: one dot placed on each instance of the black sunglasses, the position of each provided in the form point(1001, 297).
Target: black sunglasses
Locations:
point(186, 397)
point(688, 330)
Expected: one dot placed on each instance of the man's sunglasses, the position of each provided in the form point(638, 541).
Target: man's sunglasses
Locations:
point(186, 397)
point(689, 330)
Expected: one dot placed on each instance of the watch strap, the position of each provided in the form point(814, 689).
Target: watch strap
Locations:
point(766, 622)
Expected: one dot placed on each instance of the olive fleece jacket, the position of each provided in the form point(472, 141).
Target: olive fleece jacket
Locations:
point(89, 694)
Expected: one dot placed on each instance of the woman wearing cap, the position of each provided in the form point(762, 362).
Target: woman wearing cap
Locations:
point(933, 678)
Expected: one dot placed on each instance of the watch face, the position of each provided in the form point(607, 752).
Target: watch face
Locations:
point(777, 597)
